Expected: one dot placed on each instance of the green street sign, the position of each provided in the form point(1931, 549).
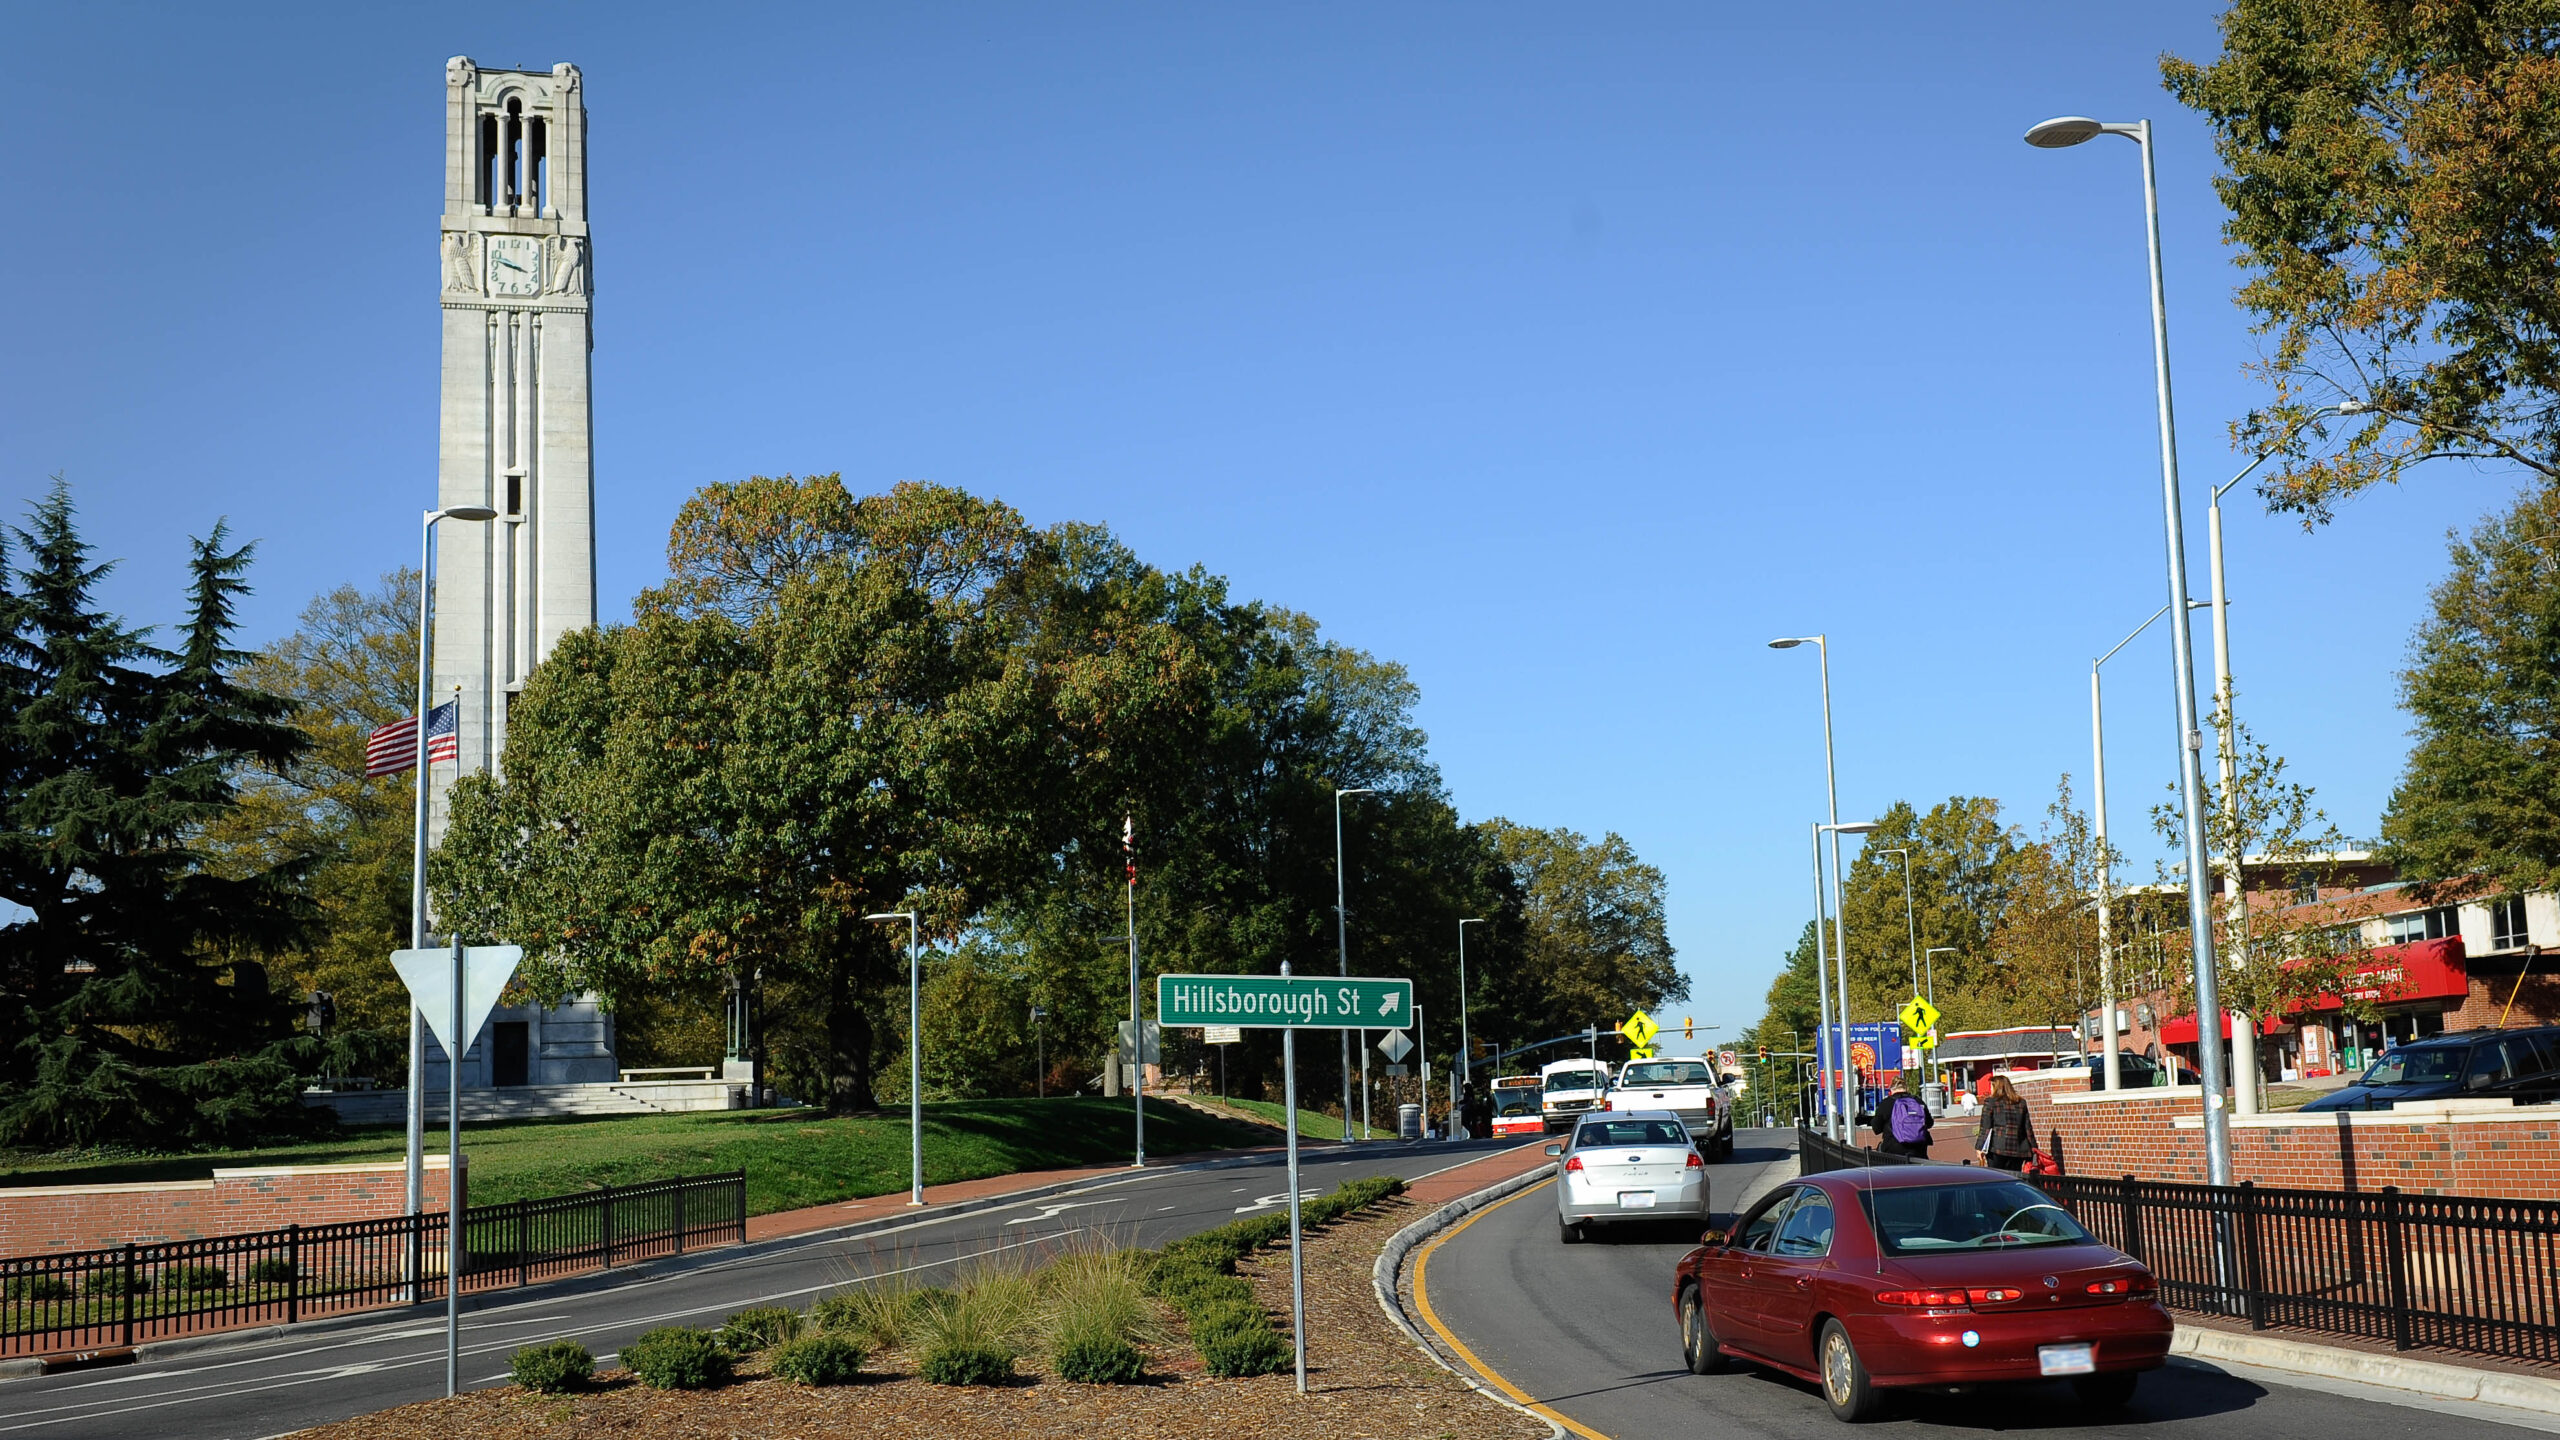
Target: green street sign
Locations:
point(1285, 1002)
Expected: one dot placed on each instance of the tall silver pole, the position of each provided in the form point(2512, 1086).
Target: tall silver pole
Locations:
point(2106, 880)
point(915, 1069)
point(2244, 1027)
point(1137, 1031)
point(1840, 959)
point(1342, 938)
point(1822, 993)
point(416, 1170)
point(2217, 1120)
point(453, 1213)
point(1297, 1240)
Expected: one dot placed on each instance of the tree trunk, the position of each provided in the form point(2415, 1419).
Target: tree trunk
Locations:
point(848, 1043)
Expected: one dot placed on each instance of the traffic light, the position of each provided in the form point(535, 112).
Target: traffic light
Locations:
point(1764, 1054)
point(1688, 1027)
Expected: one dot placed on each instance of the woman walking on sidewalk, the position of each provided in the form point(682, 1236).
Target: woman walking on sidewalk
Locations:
point(2007, 1134)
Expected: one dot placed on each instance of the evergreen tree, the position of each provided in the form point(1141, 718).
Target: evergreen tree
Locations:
point(132, 1006)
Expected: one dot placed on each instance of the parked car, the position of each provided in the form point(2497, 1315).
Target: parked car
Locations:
point(2518, 1065)
point(1868, 1281)
point(1627, 1165)
point(1687, 1087)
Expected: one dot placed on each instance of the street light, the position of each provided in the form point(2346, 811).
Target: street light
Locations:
point(2053, 135)
point(1039, 1053)
point(1822, 993)
point(417, 1159)
point(1342, 937)
point(2106, 856)
point(1840, 957)
point(1929, 964)
point(915, 1060)
point(2244, 1037)
point(1831, 790)
point(1462, 1076)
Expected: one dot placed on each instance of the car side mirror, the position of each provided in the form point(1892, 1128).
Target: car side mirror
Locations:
point(1555, 1150)
point(2477, 1082)
point(1714, 1238)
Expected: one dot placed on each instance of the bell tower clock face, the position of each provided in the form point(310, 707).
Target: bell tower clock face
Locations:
point(515, 265)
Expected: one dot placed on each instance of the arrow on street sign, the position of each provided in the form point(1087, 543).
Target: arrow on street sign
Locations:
point(1395, 1046)
point(429, 976)
point(1640, 1030)
point(1641, 1052)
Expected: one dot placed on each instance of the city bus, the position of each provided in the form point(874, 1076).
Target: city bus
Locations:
point(1515, 1106)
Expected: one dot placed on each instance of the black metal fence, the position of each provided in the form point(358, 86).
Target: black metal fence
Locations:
point(100, 1299)
point(2443, 1272)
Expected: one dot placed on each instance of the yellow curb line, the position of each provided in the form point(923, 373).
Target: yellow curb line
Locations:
point(1422, 1302)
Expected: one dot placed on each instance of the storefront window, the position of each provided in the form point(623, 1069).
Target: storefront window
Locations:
point(2506, 924)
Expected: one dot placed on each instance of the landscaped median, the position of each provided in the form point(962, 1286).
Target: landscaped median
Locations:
point(1190, 1341)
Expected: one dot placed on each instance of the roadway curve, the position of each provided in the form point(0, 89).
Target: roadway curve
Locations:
point(319, 1376)
point(1586, 1333)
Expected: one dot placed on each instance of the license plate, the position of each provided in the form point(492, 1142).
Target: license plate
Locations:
point(1635, 1199)
point(2066, 1359)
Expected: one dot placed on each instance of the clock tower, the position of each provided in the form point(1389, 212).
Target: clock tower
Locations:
point(516, 422)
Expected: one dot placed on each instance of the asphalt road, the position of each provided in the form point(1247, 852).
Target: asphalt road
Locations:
point(1587, 1331)
point(313, 1378)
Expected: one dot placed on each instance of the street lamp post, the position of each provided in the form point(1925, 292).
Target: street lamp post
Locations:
point(2112, 1066)
point(2244, 1030)
point(1840, 957)
point(1039, 1053)
point(1342, 938)
point(1831, 791)
point(1458, 1080)
point(915, 1059)
point(1929, 968)
point(1822, 995)
point(417, 1160)
point(2053, 135)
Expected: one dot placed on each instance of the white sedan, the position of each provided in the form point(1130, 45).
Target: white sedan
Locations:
point(1628, 1165)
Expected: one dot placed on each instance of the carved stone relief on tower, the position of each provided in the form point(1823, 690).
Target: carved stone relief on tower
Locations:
point(461, 275)
point(568, 266)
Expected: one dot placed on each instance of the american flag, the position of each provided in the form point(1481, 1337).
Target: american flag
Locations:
point(394, 747)
point(1129, 846)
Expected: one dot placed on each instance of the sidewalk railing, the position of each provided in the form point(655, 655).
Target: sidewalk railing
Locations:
point(2443, 1272)
point(101, 1299)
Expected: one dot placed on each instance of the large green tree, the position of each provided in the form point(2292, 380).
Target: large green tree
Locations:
point(134, 1004)
point(2392, 171)
point(2481, 791)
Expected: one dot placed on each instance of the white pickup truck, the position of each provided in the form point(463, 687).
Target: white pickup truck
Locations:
point(1688, 1087)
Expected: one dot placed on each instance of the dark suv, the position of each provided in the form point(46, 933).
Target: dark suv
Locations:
point(2518, 1065)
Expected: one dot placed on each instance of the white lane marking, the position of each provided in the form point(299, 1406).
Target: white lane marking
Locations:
point(1049, 1211)
point(1264, 1202)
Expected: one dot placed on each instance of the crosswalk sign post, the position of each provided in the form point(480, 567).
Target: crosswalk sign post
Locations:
point(1918, 1017)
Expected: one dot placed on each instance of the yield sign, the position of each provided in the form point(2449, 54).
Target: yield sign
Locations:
point(1919, 1017)
point(1395, 1047)
point(1640, 1030)
point(429, 976)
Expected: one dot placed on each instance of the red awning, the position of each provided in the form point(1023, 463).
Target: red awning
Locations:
point(2419, 970)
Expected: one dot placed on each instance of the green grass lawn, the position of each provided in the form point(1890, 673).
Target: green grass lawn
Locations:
point(792, 1158)
point(1312, 1125)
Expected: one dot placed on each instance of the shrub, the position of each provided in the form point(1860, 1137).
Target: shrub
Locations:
point(1096, 1291)
point(552, 1369)
point(821, 1359)
point(1094, 1358)
point(199, 1277)
point(677, 1357)
point(881, 1314)
point(1238, 1352)
point(963, 1364)
point(271, 1271)
point(38, 1287)
point(766, 1326)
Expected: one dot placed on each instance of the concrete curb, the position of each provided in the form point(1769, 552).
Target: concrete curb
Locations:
point(620, 1275)
point(2395, 1372)
point(1386, 1279)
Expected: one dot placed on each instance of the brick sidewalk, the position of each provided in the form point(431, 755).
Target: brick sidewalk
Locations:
point(880, 1207)
point(1466, 1179)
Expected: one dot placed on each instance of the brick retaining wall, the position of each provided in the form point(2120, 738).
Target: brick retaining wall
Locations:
point(37, 1220)
point(2450, 1147)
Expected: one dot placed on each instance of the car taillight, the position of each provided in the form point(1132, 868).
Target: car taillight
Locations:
point(1993, 1297)
point(1923, 1299)
point(1573, 1162)
point(2137, 1283)
point(1694, 1162)
point(1608, 1105)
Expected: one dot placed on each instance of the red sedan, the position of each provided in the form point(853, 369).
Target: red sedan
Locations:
point(1943, 1276)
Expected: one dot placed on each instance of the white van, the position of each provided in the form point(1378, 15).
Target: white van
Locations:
point(1567, 1088)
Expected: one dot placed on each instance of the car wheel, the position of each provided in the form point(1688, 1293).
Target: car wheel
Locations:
point(1844, 1377)
point(1698, 1337)
point(2106, 1392)
point(1569, 1230)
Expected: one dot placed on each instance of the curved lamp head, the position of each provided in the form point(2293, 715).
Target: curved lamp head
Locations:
point(2064, 131)
point(1792, 642)
point(466, 512)
point(1855, 827)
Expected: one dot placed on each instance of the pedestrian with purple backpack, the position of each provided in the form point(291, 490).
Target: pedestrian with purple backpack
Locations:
point(1904, 1121)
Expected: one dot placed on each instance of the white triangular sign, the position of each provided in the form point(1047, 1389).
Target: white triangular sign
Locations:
point(429, 976)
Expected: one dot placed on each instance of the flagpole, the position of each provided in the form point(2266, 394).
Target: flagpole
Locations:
point(418, 880)
point(1137, 1021)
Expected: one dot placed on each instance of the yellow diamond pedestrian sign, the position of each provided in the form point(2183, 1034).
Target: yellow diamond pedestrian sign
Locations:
point(1919, 1017)
point(1640, 1030)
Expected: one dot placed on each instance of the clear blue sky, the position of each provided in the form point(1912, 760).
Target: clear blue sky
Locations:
point(1564, 354)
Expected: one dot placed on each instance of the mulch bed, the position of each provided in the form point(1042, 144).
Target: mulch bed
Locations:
point(1364, 1380)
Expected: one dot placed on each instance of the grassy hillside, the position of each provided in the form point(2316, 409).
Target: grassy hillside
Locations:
point(792, 1158)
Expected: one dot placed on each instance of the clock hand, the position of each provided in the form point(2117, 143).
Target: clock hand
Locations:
point(510, 264)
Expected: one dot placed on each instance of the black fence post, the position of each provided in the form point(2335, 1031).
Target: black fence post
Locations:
point(524, 1242)
point(2396, 1267)
point(684, 1211)
point(417, 1255)
point(2252, 1263)
point(127, 1298)
point(2132, 1203)
point(608, 1227)
point(293, 1274)
point(739, 1190)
